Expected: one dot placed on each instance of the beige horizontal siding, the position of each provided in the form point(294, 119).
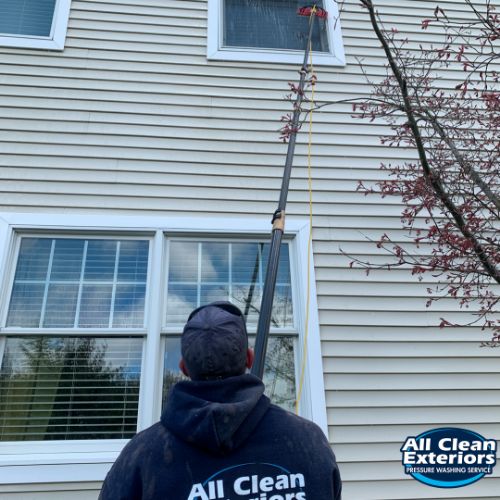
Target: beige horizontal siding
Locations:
point(131, 119)
point(53, 491)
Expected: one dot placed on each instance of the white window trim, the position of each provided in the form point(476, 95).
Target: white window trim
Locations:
point(72, 461)
point(57, 37)
point(216, 52)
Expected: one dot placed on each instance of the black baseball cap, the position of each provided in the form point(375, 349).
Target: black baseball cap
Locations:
point(214, 342)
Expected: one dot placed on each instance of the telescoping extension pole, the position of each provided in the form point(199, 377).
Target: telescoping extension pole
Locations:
point(279, 215)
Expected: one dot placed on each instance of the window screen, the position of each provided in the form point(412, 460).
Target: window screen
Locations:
point(69, 388)
point(271, 24)
point(79, 283)
point(27, 17)
point(203, 272)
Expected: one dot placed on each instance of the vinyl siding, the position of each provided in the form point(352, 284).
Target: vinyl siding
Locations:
point(131, 118)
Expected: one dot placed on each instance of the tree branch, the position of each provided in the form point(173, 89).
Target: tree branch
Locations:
point(429, 174)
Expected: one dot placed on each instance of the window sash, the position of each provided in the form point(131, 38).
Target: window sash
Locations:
point(200, 281)
point(282, 351)
point(272, 25)
point(57, 388)
point(124, 291)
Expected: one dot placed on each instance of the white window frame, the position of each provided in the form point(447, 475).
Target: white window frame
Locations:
point(72, 461)
point(217, 52)
point(57, 37)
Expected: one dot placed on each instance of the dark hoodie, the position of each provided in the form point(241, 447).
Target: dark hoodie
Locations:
point(223, 440)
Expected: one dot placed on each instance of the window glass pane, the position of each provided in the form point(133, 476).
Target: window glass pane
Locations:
point(248, 299)
point(282, 306)
point(33, 261)
point(26, 305)
point(129, 306)
point(279, 369)
point(95, 306)
point(283, 275)
point(171, 370)
point(215, 262)
point(211, 293)
point(101, 260)
point(133, 262)
point(184, 259)
point(26, 17)
point(69, 388)
point(61, 306)
point(232, 271)
point(245, 262)
point(271, 24)
point(79, 283)
point(181, 300)
point(67, 260)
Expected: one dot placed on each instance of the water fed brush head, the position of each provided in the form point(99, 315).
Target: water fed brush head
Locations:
point(309, 10)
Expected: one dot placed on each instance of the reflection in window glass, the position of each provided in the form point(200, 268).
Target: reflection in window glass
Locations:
point(215, 259)
point(171, 370)
point(206, 271)
point(79, 283)
point(279, 369)
point(69, 388)
point(271, 24)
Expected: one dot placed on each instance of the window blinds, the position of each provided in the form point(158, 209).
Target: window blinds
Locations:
point(27, 17)
point(271, 24)
point(79, 283)
point(69, 388)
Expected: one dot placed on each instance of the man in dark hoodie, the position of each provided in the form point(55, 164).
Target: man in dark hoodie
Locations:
point(219, 437)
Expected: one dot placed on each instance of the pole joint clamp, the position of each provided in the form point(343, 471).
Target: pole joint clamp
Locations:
point(278, 221)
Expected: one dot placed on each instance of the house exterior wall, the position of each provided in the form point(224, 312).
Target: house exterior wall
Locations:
point(131, 119)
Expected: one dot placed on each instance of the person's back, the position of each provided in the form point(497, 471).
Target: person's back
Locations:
point(222, 439)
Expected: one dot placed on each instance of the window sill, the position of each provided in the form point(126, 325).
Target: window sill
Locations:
point(69, 461)
point(274, 56)
point(19, 42)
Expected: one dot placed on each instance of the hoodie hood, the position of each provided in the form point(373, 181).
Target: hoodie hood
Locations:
point(216, 415)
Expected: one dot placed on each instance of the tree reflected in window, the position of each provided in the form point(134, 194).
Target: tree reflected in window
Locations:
point(54, 388)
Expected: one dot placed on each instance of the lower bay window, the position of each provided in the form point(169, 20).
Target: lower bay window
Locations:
point(91, 320)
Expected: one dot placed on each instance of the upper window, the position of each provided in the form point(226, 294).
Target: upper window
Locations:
point(38, 24)
point(271, 31)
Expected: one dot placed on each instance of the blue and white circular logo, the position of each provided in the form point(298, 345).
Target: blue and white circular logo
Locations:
point(448, 457)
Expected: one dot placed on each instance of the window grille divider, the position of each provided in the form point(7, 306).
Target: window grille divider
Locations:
point(113, 291)
point(230, 271)
point(47, 284)
point(80, 284)
point(198, 298)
